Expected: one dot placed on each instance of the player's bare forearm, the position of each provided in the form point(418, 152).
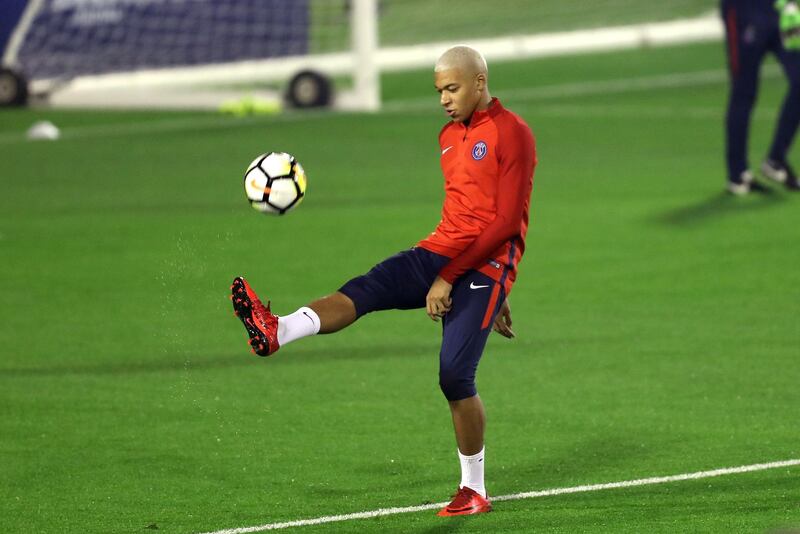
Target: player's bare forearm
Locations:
point(502, 322)
point(438, 301)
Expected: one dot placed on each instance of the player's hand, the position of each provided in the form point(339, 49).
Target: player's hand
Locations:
point(789, 23)
point(502, 322)
point(438, 301)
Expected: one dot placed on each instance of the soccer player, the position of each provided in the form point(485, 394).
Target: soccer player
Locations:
point(753, 28)
point(461, 273)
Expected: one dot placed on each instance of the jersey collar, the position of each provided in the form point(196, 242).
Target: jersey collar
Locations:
point(478, 117)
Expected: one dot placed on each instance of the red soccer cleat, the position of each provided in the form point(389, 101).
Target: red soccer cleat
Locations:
point(466, 502)
point(261, 324)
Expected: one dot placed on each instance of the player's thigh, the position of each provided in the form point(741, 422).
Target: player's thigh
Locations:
point(748, 36)
point(476, 301)
point(399, 282)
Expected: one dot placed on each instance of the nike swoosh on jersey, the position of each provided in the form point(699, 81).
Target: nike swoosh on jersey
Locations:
point(473, 286)
point(446, 149)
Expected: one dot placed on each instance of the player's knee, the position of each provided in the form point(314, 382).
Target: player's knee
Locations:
point(355, 297)
point(744, 88)
point(792, 72)
point(744, 93)
point(794, 87)
point(456, 384)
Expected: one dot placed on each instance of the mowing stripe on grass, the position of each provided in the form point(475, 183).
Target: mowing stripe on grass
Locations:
point(673, 80)
point(420, 104)
point(517, 496)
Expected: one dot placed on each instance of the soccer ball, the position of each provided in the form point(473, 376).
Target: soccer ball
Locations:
point(275, 183)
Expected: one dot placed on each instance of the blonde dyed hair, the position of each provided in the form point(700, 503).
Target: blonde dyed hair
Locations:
point(463, 58)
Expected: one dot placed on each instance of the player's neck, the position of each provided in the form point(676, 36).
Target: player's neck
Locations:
point(484, 102)
point(483, 105)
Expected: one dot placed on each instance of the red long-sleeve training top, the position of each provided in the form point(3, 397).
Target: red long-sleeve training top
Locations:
point(488, 168)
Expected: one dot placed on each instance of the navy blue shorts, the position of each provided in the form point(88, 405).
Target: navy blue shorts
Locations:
point(402, 282)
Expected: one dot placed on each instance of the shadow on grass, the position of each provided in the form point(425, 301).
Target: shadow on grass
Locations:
point(187, 363)
point(719, 205)
point(453, 524)
point(129, 367)
point(575, 464)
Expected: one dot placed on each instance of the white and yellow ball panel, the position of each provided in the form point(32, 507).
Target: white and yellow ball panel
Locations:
point(277, 164)
point(300, 177)
point(255, 184)
point(263, 207)
point(282, 193)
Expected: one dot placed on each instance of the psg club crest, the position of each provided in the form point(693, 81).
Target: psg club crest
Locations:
point(479, 151)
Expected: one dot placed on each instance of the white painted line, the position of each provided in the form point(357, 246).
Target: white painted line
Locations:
point(517, 496)
point(652, 480)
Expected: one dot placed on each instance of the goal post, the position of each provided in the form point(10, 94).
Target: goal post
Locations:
point(20, 30)
point(364, 36)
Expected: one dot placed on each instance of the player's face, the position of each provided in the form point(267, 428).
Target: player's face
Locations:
point(460, 92)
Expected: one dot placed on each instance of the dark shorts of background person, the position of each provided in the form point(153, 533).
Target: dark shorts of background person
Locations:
point(402, 282)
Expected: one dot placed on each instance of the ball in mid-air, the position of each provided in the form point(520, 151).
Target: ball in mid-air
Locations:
point(275, 183)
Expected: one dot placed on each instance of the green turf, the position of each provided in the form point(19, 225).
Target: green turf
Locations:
point(406, 22)
point(656, 318)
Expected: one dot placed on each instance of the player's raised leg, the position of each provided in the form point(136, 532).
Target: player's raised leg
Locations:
point(335, 312)
point(399, 282)
point(258, 320)
point(268, 332)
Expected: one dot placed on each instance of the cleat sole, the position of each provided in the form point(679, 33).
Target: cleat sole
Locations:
point(242, 309)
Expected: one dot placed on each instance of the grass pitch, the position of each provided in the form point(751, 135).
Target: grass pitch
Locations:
point(408, 22)
point(656, 317)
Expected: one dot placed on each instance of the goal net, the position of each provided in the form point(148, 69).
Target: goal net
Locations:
point(188, 53)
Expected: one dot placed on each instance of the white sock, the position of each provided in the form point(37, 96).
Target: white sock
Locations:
point(304, 322)
point(472, 472)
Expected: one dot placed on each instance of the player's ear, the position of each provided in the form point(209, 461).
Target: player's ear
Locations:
point(480, 81)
